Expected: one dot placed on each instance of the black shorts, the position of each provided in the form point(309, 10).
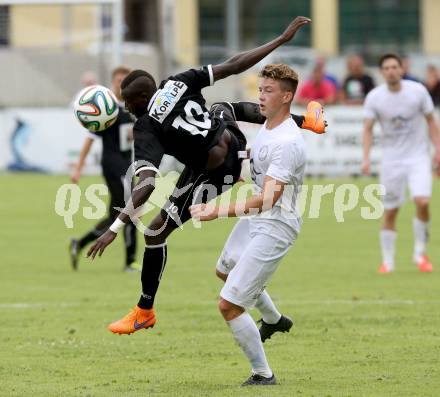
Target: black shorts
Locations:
point(195, 187)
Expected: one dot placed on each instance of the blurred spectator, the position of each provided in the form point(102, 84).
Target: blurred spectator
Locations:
point(357, 84)
point(432, 83)
point(89, 78)
point(317, 88)
point(406, 66)
point(321, 61)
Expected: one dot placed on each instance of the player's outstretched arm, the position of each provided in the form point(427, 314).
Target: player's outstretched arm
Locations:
point(243, 61)
point(271, 192)
point(141, 193)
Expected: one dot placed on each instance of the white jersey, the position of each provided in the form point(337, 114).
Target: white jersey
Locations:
point(280, 154)
point(401, 116)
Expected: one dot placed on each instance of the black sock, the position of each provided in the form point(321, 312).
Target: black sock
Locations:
point(154, 262)
point(299, 120)
point(130, 243)
point(89, 237)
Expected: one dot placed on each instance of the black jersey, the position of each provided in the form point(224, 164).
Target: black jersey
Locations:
point(178, 123)
point(116, 142)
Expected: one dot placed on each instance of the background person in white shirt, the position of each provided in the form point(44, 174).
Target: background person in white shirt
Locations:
point(401, 107)
point(257, 244)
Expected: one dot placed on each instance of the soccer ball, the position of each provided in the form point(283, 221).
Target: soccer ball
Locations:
point(96, 108)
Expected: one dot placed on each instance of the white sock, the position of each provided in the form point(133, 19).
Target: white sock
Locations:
point(421, 237)
point(267, 309)
point(248, 338)
point(387, 242)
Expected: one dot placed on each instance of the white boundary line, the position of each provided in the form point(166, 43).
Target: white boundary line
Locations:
point(366, 302)
point(24, 305)
point(353, 302)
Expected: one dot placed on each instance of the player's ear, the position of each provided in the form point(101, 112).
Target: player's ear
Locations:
point(288, 96)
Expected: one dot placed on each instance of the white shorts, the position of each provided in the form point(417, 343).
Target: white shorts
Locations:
point(396, 176)
point(250, 257)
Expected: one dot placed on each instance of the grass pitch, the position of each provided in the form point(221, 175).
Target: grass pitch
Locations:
point(356, 333)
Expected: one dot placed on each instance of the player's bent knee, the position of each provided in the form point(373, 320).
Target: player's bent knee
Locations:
point(389, 218)
point(151, 238)
point(229, 310)
point(157, 232)
point(422, 202)
point(390, 215)
point(220, 275)
point(225, 307)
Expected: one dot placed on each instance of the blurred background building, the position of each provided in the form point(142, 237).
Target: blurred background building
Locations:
point(49, 49)
point(49, 46)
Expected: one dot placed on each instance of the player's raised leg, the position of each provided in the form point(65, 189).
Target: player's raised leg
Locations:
point(312, 119)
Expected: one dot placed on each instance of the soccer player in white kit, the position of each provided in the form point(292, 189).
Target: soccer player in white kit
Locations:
point(401, 107)
point(258, 243)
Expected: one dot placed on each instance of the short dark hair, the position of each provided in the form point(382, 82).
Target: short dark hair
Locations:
point(137, 83)
point(134, 75)
point(283, 73)
point(385, 57)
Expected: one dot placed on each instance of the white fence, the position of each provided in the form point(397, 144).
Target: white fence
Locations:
point(49, 140)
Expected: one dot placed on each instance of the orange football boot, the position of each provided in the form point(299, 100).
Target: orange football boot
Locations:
point(314, 118)
point(383, 269)
point(424, 265)
point(134, 321)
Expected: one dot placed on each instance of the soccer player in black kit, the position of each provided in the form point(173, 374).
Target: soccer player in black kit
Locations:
point(173, 119)
point(115, 160)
